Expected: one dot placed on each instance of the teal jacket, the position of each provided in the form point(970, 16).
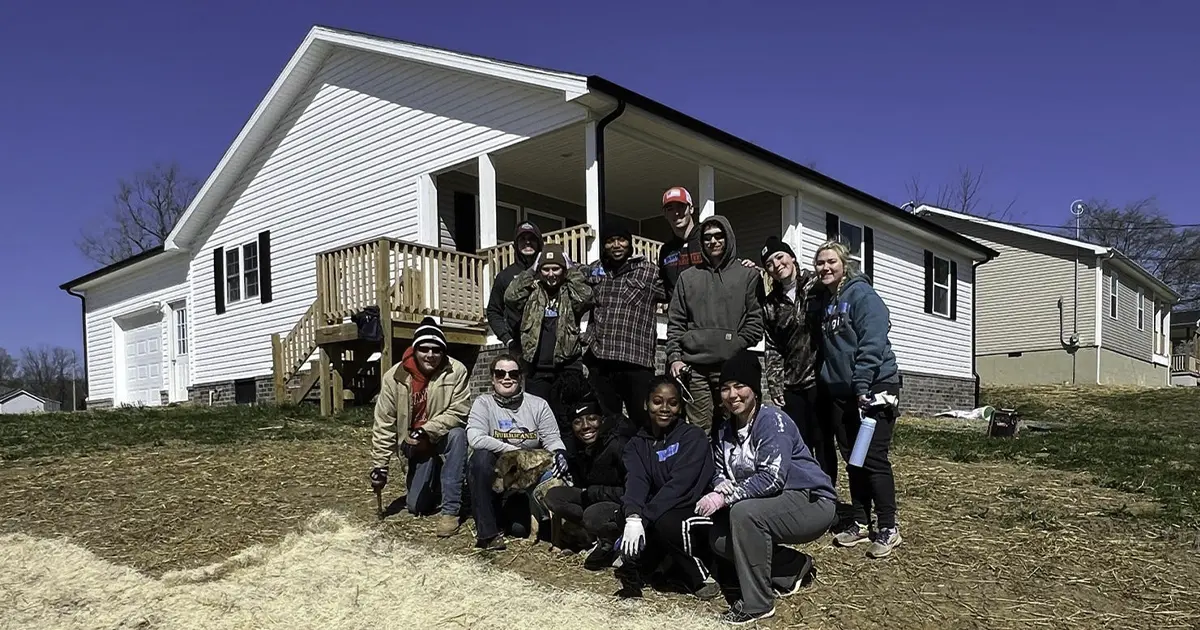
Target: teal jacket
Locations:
point(854, 340)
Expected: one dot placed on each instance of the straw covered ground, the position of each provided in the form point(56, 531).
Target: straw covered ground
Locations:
point(1089, 524)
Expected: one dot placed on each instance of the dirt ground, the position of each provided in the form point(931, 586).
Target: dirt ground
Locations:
point(986, 545)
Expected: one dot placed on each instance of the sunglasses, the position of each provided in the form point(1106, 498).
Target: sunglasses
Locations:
point(715, 236)
point(513, 374)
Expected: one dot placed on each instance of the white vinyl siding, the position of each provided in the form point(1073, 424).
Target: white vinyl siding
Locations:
point(923, 344)
point(341, 167)
point(141, 291)
point(1122, 334)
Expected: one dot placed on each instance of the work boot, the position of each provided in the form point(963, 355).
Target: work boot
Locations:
point(601, 557)
point(708, 590)
point(885, 540)
point(852, 534)
point(447, 525)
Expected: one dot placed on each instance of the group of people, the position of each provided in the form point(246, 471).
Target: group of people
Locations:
point(685, 470)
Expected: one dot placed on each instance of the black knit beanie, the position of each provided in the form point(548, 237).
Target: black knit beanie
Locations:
point(744, 368)
point(774, 246)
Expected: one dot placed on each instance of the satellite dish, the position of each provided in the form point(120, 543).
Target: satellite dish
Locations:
point(1078, 207)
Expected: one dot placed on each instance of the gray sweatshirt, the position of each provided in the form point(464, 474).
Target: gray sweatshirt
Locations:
point(491, 427)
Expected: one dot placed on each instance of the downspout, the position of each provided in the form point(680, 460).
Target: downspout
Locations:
point(83, 329)
point(600, 125)
point(974, 328)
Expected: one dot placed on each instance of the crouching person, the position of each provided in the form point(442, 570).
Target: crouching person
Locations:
point(769, 491)
point(594, 502)
point(508, 419)
point(669, 466)
point(420, 416)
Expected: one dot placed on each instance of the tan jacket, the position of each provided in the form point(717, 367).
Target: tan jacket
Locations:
point(446, 407)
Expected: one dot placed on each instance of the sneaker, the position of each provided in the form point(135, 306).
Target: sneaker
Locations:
point(601, 557)
point(886, 540)
point(806, 577)
point(737, 617)
point(708, 590)
point(853, 534)
point(495, 543)
point(447, 525)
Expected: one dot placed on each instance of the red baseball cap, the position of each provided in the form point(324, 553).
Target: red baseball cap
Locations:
point(677, 194)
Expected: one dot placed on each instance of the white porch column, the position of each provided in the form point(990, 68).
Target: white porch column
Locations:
point(487, 202)
point(591, 177)
point(790, 217)
point(428, 227)
point(706, 198)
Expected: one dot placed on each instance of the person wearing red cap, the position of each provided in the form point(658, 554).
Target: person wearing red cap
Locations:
point(683, 250)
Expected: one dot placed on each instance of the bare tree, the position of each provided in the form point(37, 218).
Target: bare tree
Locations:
point(964, 193)
point(8, 369)
point(1141, 231)
point(144, 212)
point(50, 372)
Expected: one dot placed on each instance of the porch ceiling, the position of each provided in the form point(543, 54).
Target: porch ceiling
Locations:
point(637, 174)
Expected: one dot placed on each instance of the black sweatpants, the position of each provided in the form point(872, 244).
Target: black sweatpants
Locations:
point(683, 535)
point(602, 520)
point(815, 428)
point(539, 381)
point(494, 514)
point(618, 385)
point(872, 485)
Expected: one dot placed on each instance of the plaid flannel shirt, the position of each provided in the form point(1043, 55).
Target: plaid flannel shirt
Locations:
point(622, 324)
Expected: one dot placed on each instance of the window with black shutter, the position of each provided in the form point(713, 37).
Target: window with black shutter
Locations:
point(941, 286)
point(243, 272)
point(859, 239)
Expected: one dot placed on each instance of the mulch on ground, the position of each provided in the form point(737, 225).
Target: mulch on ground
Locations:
point(987, 545)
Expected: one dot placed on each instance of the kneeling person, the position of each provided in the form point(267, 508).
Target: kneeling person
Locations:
point(594, 502)
point(420, 415)
point(776, 492)
point(508, 419)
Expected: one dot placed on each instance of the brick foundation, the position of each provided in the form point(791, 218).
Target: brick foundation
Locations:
point(223, 393)
point(928, 394)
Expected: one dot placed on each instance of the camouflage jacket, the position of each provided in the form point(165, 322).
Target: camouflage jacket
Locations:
point(527, 296)
point(792, 351)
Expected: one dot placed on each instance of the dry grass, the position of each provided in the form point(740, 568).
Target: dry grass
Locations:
point(330, 575)
point(987, 545)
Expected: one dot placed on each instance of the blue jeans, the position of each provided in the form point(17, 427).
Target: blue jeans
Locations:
point(434, 478)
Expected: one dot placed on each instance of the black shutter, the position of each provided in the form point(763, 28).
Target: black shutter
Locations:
point(219, 279)
point(928, 281)
point(953, 290)
point(833, 226)
point(264, 266)
point(869, 253)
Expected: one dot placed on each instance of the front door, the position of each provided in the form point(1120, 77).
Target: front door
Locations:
point(180, 368)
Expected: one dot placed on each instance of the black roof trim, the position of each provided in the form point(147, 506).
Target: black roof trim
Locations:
point(120, 264)
point(654, 107)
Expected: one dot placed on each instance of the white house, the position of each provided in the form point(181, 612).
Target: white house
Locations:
point(1057, 310)
point(21, 401)
point(376, 169)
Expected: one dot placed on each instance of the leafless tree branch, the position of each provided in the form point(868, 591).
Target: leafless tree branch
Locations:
point(143, 213)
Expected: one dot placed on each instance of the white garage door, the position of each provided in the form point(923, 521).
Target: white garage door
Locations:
point(143, 361)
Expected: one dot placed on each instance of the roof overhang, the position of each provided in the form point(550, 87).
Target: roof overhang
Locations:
point(11, 394)
point(295, 77)
point(1125, 263)
point(134, 264)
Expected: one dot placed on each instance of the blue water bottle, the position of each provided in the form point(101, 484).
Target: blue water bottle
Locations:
point(862, 440)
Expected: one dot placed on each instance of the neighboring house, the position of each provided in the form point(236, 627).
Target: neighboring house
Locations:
point(380, 171)
point(1053, 309)
point(1185, 348)
point(21, 401)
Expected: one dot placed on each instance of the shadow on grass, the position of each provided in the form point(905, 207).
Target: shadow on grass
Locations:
point(1144, 441)
point(59, 434)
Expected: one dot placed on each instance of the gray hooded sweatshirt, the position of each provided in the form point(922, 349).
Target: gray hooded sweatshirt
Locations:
point(714, 309)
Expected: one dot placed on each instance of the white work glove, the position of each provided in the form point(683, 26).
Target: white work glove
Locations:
point(634, 538)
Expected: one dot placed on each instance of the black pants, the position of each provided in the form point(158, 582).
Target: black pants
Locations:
point(683, 535)
point(602, 520)
point(815, 428)
point(872, 485)
point(490, 510)
point(621, 385)
point(539, 381)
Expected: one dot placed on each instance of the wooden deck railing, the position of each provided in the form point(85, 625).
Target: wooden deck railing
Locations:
point(1185, 363)
point(414, 280)
point(573, 239)
point(290, 352)
point(648, 248)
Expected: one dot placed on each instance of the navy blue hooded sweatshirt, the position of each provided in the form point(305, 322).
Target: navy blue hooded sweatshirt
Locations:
point(668, 473)
point(857, 354)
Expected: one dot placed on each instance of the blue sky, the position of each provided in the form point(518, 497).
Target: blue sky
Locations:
point(1055, 101)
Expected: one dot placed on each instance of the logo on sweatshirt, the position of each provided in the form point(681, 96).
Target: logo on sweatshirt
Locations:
point(668, 452)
